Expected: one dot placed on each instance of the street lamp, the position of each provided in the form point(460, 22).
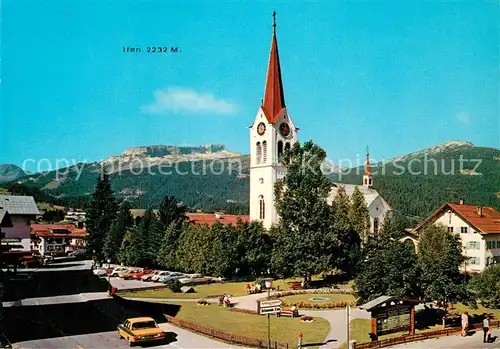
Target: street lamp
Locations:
point(269, 284)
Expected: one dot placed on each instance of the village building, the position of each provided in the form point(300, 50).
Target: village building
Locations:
point(57, 239)
point(271, 133)
point(478, 228)
point(22, 211)
point(377, 206)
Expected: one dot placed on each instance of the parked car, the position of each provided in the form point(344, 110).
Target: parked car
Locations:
point(140, 330)
point(160, 274)
point(171, 276)
point(138, 276)
point(126, 275)
point(100, 272)
point(148, 277)
point(118, 270)
point(194, 278)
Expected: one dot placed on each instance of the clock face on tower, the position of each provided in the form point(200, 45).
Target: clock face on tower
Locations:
point(261, 128)
point(284, 129)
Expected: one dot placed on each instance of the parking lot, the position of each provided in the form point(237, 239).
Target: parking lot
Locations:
point(132, 284)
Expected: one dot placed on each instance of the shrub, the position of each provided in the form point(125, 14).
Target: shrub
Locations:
point(174, 285)
point(306, 318)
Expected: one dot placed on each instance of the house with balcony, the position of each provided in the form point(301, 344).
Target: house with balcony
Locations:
point(22, 211)
point(57, 239)
point(478, 228)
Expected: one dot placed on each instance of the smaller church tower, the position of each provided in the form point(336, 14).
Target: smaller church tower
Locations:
point(367, 177)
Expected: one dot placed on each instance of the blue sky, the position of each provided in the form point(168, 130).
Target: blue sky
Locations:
point(398, 76)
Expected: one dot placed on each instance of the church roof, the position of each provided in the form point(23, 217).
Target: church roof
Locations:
point(274, 97)
point(370, 194)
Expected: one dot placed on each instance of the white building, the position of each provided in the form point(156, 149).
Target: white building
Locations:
point(479, 230)
point(57, 238)
point(22, 210)
point(378, 208)
point(271, 133)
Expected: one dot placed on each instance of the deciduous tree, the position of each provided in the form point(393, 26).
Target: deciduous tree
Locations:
point(387, 267)
point(359, 215)
point(119, 226)
point(439, 259)
point(486, 286)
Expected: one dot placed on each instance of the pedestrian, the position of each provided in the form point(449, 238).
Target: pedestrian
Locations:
point(486, 329)
point(465, 323)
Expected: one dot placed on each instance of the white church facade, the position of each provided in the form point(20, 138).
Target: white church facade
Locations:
point(271, 133)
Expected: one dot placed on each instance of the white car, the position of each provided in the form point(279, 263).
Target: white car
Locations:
point(171, 276)
point(118, 270)
point(190, 278)
point(161, 273)
point(148, 277)
point(99, 272)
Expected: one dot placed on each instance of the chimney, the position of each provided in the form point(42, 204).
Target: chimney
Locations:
point(461, 202)
point(480, 211)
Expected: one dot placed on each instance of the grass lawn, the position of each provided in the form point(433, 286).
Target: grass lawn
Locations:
point(460, 308)
point(332, 297)
point(283, 329)
point(203, 291)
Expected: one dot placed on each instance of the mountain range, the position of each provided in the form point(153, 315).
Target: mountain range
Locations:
point(213, 178)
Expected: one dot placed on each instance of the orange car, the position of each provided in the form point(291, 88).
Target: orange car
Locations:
point(140, 330)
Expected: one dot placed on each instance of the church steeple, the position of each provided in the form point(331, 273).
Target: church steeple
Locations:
point(274, 97)
point(367, 177)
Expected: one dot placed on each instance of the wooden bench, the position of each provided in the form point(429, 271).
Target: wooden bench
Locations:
point(296, 286)
point(288, 312)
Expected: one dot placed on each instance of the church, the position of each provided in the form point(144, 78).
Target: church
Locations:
point(271, 133)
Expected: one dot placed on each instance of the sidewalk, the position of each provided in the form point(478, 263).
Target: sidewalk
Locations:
point(474, 341)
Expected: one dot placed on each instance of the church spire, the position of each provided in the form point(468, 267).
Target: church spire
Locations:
point(274, 98)
point(367, 164)
point(367, 177)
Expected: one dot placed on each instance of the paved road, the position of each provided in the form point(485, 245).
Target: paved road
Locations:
point(474, 341)
point(183, 340)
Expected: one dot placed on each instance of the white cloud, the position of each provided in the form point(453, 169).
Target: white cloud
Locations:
point(463, 118)
point(178, 100)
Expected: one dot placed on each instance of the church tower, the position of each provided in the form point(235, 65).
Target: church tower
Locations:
point(367, 177)
point(271, 133)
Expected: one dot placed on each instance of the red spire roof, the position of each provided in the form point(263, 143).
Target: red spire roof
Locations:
point(274, 98)
point(368, 171)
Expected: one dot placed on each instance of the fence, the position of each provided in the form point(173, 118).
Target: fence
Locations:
point(418, 337)
point(253, 342)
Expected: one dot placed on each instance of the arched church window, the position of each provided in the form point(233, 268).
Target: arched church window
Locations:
point(280, 149)
point(264, 151)
point(370, 181)
point(287, 146)
point(258, 152)
point(375, 226)
point(262, 207)
point(366, 181)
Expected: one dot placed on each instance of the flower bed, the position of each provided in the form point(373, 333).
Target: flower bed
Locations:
point(330, 305)
point(307, 319)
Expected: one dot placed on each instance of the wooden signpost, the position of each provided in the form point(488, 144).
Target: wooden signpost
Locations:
point(269, 306)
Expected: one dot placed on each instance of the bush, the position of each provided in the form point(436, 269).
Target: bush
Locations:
point(174, 285)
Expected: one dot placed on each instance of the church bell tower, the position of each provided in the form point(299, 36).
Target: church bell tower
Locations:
point(271, 134)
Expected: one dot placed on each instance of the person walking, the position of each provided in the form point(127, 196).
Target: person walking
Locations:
point(465, 323)
point(486, 329)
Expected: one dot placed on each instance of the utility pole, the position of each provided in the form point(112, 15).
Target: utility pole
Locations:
point(348, 310)
point(268, 322)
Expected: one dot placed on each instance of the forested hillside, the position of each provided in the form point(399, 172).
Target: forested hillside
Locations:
point(436, 177)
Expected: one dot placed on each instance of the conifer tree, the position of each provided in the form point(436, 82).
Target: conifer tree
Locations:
point(119, 226)
point(100, 214)
point(359, 214)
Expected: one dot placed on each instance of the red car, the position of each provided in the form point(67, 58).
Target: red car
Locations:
point(137, 276)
